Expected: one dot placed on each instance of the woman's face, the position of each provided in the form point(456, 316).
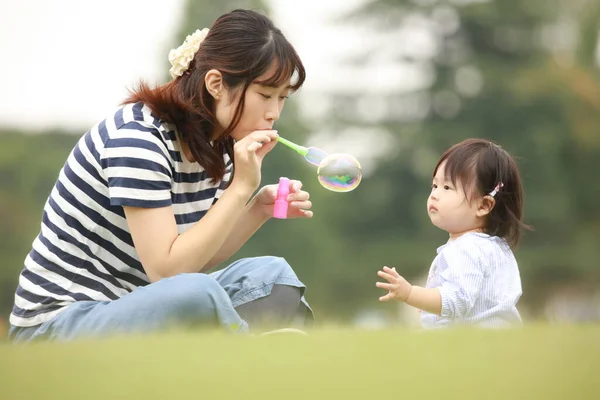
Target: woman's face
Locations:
point(262, 106)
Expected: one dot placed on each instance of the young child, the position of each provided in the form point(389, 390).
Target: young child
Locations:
point(476, 197)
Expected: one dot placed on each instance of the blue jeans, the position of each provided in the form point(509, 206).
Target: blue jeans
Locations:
point(179, 301)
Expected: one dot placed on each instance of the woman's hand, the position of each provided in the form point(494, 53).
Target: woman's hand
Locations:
point(248, 154)
point(299, 206)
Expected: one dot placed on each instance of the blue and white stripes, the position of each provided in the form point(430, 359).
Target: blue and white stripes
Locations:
point(479, 282)
point(84, 250)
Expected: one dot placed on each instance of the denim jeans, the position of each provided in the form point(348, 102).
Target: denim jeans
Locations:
point(183, 300)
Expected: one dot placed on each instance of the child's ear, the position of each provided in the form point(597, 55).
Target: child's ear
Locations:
point(485, 206)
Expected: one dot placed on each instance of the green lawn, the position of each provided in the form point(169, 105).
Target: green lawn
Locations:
point(533, 363)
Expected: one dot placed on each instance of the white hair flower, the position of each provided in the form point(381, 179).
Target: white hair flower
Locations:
point(181, 57)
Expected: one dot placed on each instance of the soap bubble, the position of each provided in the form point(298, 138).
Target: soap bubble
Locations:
point(339, 172)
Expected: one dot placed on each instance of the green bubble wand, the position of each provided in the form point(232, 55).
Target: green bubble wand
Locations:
point(312, 155)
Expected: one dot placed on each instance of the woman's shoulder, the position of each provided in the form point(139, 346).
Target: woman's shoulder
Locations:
point(138, 114)
point(134, 121)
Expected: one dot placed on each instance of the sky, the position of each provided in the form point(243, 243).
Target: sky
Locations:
point(53, 79)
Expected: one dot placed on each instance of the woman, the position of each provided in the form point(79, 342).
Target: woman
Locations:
point(133, 223)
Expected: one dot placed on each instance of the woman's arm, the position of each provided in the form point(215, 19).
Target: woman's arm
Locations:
point(257, 212)
point(163, 252)
point(249, 222)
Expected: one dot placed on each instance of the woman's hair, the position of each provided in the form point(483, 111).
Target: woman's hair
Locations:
point(242, 45)
point(480, 166)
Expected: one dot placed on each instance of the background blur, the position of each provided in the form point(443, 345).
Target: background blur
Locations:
point(393, 82)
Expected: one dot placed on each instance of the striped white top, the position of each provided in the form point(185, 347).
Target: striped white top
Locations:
point(478, 278)
point(84, 250)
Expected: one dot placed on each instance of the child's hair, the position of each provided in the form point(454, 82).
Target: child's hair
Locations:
point(480, 166)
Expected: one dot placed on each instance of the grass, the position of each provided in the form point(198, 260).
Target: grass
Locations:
point(539, 362)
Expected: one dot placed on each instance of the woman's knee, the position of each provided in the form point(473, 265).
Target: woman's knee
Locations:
point(277, 263)
point(193, 291)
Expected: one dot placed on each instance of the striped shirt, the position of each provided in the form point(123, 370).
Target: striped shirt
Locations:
point(479, 282)
point(84, 251)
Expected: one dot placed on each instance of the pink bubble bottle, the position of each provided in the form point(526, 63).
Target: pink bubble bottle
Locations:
point(281, 204)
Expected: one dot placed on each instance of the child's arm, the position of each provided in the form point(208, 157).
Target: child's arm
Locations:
point(425, 299)
point(462, 276)
point(429, 300)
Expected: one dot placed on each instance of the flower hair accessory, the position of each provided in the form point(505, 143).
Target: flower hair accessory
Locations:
point(496, 189)
point(181, 57)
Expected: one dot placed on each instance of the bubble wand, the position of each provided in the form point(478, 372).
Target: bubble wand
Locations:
point(311, 154)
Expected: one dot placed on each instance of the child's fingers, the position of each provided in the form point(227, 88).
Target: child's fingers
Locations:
point(387, 297)
point(391, 271)
point(383, 285)
point(385, 276)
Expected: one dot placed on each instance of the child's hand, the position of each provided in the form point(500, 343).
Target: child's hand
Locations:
point(398, 287)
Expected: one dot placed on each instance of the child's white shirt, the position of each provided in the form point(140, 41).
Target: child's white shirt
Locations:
point(478, 278)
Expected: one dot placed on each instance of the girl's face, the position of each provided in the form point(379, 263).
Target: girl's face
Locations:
point(262, 106)
point(449, 208)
